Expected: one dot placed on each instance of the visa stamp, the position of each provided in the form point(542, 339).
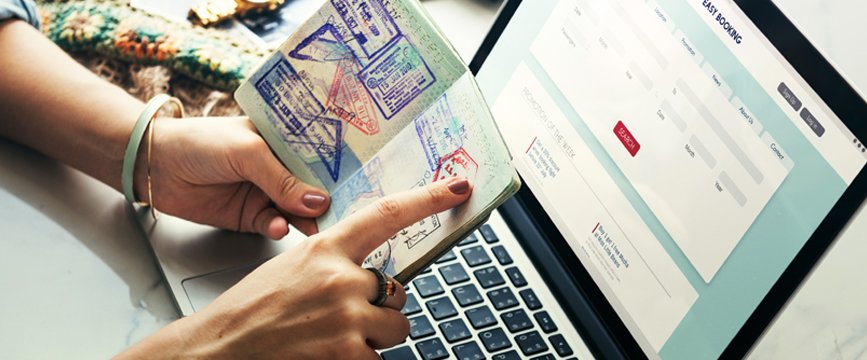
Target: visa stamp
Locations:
point(349, 101)
point(361, 189)
point(457, 164)
point(287, 95)
point(439, 131)
point(396, 77)
point(300, 116)
point(369, 23)
point(323, 137)
point(323, 45)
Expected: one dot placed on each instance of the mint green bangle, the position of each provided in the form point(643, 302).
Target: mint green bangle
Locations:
point(141, 124)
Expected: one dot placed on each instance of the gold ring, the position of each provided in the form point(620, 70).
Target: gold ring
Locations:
point(390, 288)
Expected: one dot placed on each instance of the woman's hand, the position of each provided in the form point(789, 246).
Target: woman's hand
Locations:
point(220, 172)
point(216, 171)
point(312, 302)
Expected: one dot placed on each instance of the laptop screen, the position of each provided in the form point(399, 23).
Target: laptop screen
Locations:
point(683, 160)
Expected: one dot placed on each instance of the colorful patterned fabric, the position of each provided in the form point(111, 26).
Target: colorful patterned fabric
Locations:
point(112, 28)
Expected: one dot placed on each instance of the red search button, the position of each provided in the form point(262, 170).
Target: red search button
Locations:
point(626, 138)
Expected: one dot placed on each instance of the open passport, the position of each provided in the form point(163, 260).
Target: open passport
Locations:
point(368, 98)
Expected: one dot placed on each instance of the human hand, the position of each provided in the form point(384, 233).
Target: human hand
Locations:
point(220, 172)
point(312, 302)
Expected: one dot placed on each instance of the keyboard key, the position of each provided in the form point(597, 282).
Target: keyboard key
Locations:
point(455, 330)
point(441, 308)
point(449, 256)
point(468, 351)
point(558, 342)
point(502, 298)
point(530, 299)
point(475, 256)
point(428, 286)
point(502, 255)
point(516, 320)
point(481, 317)
point(467, 295)
point(508, 355)
point(531, 343)
point(545, 322)
point(411, 306)
point(401, 353)
point(471, 238)
point(426, 270)
point(495, 339)
point(488, 234)
point(432, 349)
point(420, 327)
point(516, 277)
point(489, 277)
point(544, 357)
point(454, 273)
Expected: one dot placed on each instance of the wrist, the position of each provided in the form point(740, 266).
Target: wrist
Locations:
point(171, 342)
point(137, 156)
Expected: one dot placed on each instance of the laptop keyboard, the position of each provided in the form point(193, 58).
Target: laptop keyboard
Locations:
point(475, 303)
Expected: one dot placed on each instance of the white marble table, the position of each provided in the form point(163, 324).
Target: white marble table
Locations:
point(827, 318)
point(77, 279)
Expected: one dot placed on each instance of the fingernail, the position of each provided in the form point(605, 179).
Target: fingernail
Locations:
point(459, 186)
point(313, 201)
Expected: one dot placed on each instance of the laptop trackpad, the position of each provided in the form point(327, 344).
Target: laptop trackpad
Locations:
point(202, 290)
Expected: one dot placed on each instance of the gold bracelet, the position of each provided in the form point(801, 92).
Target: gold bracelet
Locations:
point(150, 182)
point(179, 112)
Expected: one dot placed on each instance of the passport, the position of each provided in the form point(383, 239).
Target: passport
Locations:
point(367, 98)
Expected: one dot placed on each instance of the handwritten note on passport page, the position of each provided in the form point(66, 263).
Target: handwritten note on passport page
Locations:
point(366, 99)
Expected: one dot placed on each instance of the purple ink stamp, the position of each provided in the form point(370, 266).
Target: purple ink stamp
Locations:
point(369, 23)
point(300, 116)
point(396, 77)
point(439, 131)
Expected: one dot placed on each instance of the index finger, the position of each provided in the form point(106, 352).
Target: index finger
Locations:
point(362, 232)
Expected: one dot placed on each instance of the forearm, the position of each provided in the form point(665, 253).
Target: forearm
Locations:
point(51, 103)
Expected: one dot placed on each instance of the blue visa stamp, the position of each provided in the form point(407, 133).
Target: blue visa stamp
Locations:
point(299, 115)
point(287, 95)
point(361, 189)
point(323, 45)
point(439, 131)
point(369, 23)
point(325, 137)
point(396, 77)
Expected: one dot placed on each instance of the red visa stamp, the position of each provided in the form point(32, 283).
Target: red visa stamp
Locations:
point(626, 138)
point(457, 164)
point(348, 101)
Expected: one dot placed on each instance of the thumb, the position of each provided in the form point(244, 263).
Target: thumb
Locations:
point(287, 191)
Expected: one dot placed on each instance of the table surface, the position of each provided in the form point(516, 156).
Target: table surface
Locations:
point(79, 281)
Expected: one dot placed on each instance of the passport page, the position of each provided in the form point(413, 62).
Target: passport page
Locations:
point(368, 99)
point(345, 83)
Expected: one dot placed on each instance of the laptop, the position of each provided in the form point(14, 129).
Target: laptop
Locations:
point(686, 163)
